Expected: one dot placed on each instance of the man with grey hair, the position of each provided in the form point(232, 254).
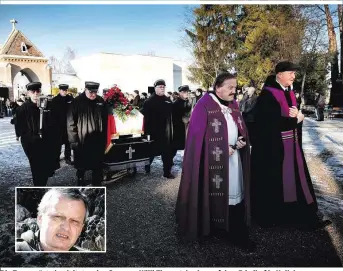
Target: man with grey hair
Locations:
point(282, 189)
point(62, 213)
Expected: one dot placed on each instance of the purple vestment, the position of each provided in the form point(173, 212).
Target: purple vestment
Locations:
point(203, 194)
point(292, 154)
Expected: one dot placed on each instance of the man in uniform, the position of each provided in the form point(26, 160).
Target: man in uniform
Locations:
point(157, 111)
point(181, 114)
point(35, 142)
point(61, 216)
point(59, 108)
point(282, 189)
point(214, 193)
point(87, 133)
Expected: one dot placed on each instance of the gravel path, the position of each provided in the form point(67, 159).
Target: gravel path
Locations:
point(141, 228)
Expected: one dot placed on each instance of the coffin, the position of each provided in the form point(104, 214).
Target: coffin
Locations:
point(128, 152)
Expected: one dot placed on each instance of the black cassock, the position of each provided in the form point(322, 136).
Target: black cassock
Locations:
point(38, 150)
point(59, 109)
point(157, 111)
point(181, 110)
point(86, 126)
point(282, 191)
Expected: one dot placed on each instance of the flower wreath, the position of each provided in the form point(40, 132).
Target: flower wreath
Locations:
point(120, 104)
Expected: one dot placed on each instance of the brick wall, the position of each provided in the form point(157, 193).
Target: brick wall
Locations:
point(15, 47)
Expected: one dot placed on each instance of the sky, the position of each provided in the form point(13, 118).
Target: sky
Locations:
point(90, 29)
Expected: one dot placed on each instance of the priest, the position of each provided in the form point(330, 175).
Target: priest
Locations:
point(282, 191)
point(87, 133)
point(214, 196)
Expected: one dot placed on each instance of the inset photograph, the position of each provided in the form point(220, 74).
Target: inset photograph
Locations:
point(60, 219)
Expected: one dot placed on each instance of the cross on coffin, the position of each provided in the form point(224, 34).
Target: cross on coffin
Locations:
point(216, 123)
point(217, 152)
point(130, 151)
point(217, 179)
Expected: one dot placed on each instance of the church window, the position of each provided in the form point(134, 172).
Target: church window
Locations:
point(23, 47)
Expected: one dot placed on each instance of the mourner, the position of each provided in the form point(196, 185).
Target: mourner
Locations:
point(181, 114)
point(59, 108)
point(157, 111)
point(35, 142)
point(320, 106)
point(198, 94)
point(62, 213)
point(282, 191)
point(247, 107)
point(87, 131)
point(214, 190)
point(136, 98)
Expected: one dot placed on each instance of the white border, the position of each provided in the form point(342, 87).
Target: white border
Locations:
point(169, 2)
point(65, 187)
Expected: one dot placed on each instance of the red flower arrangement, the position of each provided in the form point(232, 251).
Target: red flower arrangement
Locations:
point(120, 104)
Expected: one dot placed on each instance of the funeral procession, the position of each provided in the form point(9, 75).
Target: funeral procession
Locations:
point(235, 159)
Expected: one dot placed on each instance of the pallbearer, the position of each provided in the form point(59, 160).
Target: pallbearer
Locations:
point(59, 109)
point(157, 111)
point(87, 127)
point(214, 189)
point(35, 142)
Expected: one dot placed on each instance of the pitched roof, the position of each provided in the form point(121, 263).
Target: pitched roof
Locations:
point(12, 46)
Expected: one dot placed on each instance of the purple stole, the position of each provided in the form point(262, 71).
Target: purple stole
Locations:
point(217, 157)
point(291, 151)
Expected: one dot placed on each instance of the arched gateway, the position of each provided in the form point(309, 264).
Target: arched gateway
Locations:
point(20, 63)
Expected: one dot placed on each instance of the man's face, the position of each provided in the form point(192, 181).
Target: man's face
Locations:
point(183, 95)
point(91, 94)
point(34, 95)
point(63, 93)
point(286, 78)
point(160, 90)
point(61, 224)
point(227, 90)
point(251, 91)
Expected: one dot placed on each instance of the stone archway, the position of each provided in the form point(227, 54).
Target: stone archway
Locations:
point(21, 79)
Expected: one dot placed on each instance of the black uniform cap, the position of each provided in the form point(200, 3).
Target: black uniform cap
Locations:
point(92, 86)
point(34, 86)
point(184, 88)
point(63, 86)
point(286, 66)
point(159, 82)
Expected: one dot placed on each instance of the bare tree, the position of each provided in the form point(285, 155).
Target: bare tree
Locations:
point(69, 54)
point(55, 64)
